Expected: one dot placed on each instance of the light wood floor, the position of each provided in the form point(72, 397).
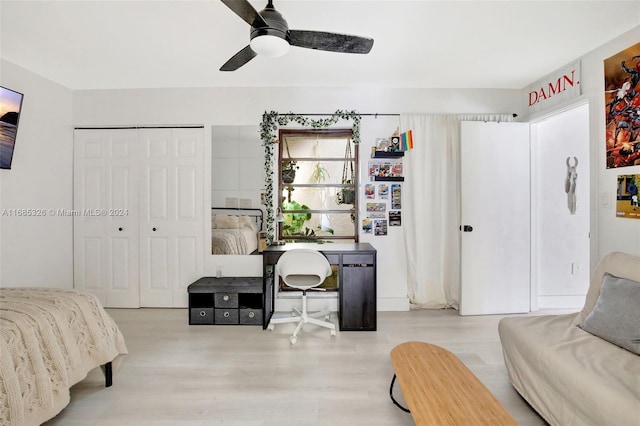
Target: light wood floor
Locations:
point(176, 374)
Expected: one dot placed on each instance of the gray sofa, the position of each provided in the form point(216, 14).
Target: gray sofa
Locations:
point(571, 376)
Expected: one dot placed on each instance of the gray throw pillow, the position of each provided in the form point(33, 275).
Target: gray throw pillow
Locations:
point(616, 316)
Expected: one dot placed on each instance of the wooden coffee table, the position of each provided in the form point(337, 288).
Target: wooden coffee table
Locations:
point(440, 390)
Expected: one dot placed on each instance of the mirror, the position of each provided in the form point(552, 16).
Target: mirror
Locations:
point(237, 180)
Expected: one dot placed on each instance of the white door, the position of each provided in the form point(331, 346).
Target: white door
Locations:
point(106, 216)
point(495, 218)
point(171, 215)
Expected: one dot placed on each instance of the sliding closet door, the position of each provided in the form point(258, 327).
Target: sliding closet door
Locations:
point(171, 216)
point(106, 216)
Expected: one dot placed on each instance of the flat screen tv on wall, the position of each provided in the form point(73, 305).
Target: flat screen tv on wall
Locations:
point(10, 105)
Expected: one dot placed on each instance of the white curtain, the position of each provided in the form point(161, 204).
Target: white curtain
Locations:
point(431, 207)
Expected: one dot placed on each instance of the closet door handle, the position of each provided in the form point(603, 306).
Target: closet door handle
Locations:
point(121, 229)
point(154, 229)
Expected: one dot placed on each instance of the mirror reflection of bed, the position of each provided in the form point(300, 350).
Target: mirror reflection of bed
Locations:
point(235, 231)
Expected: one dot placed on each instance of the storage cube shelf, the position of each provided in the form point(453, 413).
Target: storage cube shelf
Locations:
point(226, 301)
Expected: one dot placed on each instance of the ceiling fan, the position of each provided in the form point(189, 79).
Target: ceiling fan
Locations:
point(271, 36)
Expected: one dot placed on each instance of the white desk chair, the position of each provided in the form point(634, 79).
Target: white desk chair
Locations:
point(305, 270)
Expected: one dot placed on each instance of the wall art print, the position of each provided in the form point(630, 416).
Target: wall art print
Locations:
point(627, 203)
point(622, 108)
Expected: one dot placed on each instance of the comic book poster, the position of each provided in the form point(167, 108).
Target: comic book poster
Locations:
point(370, 191)
point(367, 225)
point(383, 191)
point(627, 203)
point(380, 227)
point(376, 207)
point(395, 218)
point(622, 107)
point(396, 196)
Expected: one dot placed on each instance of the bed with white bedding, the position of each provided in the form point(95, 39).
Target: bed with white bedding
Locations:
point(235, 233)
point(49, 340)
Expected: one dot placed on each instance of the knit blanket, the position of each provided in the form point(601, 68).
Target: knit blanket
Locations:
point(49, 340)
point(233, 241)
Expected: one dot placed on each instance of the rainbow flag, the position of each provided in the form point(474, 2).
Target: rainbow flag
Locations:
point(406, 140)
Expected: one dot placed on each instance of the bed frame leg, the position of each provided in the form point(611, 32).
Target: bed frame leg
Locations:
point(108, 375)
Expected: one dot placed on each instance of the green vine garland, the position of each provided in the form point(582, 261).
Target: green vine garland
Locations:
point(270, 122)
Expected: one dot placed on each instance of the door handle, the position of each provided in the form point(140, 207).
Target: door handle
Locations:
point(154, 229)
point(466, 228)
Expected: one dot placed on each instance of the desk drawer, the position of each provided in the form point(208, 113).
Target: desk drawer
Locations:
point(226, 300)
point(201, 316)
point(250, 316)
point(357, 259)
point(226, 316)
point(333, 259)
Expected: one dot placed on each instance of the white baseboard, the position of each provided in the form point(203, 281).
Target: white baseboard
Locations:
point(393, 304)
point(561, 302)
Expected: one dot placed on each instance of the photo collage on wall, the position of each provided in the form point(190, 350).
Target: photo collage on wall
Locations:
point(383, 194)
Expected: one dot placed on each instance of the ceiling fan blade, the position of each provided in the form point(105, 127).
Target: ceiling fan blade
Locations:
point(239, 59)
point(243, 9)
point(332, 42)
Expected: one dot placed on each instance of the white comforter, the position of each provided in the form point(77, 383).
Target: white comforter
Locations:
point(49, 340)
point(233, 241)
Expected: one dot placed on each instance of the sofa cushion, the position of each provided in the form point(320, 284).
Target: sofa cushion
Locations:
point(616, 315)
point(619, 264)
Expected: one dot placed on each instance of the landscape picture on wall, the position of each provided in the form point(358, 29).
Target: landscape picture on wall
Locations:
point(622, 107)
point(627, 203)
point(10, 104)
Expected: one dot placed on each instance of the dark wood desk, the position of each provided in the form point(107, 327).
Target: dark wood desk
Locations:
point(356, 281)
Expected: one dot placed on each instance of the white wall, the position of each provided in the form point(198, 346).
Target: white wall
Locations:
point(38, 251)
point(608, 233)
point(245, 106)
point(560, 240)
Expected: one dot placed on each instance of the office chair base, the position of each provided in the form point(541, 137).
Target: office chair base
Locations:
point(303, 317)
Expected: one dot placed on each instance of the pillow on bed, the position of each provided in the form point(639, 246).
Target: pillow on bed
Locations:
point(222, 221)
point(248, 222)
point(616, 316)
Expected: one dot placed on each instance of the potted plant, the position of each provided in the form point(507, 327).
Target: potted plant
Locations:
point(347, 195)
point(289, 168)
point(293, 222)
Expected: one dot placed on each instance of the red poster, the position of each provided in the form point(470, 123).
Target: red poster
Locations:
point(622, 111)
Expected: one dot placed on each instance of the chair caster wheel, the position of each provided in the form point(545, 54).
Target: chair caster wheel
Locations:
point(326, 317)
point(333, 332)
point(270, 327)
point(293, 340)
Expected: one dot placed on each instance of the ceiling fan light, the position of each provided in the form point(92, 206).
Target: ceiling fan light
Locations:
point(269, 45)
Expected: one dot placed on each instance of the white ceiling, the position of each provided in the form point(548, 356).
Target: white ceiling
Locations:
point(93, 44)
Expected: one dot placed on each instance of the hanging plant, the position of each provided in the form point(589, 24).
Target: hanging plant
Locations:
point(289, 167)
point(347, 195)
point(320, 172)
point(270, 122)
